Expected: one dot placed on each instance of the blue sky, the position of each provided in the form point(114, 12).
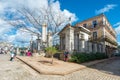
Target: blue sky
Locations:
point(78, 10)
point(85, 9)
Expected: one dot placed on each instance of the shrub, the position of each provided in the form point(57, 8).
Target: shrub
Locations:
point(85, 57)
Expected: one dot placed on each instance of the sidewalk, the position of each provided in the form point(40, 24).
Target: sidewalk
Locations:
point(43, 66)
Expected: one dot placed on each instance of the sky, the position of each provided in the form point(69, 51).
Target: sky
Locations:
point(85, 9)
point(78, 10)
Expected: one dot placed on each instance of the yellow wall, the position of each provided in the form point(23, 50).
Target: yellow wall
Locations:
point(89, 22)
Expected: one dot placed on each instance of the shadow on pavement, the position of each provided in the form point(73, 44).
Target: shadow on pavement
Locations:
point(111, 66)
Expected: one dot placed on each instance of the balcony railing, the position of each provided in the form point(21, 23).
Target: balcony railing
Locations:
point(108, 39)
point(111, 32)
point(82, 38)
point(102, 38)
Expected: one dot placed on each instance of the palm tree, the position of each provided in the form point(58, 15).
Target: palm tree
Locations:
point(51, 51)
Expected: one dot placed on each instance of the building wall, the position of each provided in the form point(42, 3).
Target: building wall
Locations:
point(104, 30)
point(89, 22)
point(109, 35)
point(88, 44)
point(81, 41)
point(101, 22)
point(69, 39)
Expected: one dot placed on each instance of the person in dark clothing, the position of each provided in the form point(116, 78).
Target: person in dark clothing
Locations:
point(66, 55)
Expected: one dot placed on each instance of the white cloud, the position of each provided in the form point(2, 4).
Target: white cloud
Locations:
point(117, 29)
point(117, 24)
point(2, 5)
point(70, 15)
point(107, 8)
point(37, 5)
point(31, 4)
point(4, 27)
point(22, 36)
point(10, 6)
point(118, 43)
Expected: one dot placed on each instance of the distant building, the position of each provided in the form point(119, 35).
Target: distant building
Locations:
point(92, 35)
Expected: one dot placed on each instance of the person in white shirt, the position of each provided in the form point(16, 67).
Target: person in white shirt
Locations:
point(12, 53)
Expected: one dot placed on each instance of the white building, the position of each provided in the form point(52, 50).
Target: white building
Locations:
point(74, 38)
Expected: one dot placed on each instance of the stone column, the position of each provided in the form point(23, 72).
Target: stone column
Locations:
point(95, 47)
point(66, 41)
point(60, 43)
point(49, 39)
point(79, 45)
point(38, 45)
point(78, 42)
point(100, 48)
point(82, 46)
point(103, 47)
point(17, 51)
point(71, 37)
point(44, 32)
point(90, 47)
point(75, 42)
point(86, 47)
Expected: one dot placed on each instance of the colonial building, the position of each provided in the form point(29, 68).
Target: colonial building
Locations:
point(92, 35)
point(74, 38)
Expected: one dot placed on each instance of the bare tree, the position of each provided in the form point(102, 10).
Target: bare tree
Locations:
point(32, 20)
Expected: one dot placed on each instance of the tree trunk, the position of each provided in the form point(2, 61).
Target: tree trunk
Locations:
point(52, 60)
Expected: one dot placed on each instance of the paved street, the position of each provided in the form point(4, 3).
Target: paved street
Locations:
point(16, 70)
point(109, 67)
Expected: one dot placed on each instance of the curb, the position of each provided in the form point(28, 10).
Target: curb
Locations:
point(27, 64)
point(85, 65)
point(97, 61)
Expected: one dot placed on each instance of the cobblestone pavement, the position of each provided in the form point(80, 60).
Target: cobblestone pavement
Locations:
point(16, 70)
point(109, 67)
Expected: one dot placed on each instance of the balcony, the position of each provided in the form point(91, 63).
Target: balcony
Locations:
point(108, 39)
point(98, 39)
point(110, 32)
point(82, 38)
point(101, 39)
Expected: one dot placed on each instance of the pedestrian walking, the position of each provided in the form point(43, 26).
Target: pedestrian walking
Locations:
point(66, 52)
point(22, 52)
point(29, 53)
point(12, 55)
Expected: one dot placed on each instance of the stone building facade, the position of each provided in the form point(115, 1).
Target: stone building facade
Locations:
point(92, 35)
point(74, 38)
